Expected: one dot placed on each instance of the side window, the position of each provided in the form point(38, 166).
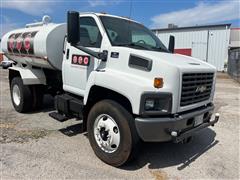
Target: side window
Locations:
point(90, 35)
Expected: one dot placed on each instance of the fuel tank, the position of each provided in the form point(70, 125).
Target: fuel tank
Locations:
point(38, 45)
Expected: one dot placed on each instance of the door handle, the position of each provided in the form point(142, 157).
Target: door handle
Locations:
point(67, 56)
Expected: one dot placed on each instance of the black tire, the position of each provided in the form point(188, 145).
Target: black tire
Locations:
point(37, 94)
point(129, 139)
point(25, 104)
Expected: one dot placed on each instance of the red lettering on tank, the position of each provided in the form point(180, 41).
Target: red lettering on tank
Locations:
point(19, 44)
point(11, 43)
point(27, 43)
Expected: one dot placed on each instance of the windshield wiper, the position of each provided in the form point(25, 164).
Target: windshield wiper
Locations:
point(160, 49)
point(134, 45)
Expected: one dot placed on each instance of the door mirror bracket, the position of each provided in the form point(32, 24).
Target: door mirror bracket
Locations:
point(99, 55)
point(103, 55)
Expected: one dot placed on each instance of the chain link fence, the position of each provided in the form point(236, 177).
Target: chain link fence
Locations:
point(234, 64)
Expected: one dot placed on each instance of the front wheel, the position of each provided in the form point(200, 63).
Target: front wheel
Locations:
point(112, 133)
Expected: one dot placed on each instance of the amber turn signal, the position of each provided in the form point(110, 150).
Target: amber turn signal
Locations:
point(158, 82)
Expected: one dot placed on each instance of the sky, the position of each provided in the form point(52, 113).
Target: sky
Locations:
point(152, 13)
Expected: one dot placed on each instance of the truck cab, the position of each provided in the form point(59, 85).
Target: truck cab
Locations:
point(124, 83)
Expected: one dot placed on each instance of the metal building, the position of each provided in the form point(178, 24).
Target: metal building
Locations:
point(209, 43)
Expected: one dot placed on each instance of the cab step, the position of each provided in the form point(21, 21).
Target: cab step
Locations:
point(58, 116)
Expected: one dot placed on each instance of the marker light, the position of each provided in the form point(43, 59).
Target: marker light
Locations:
point(158, 82)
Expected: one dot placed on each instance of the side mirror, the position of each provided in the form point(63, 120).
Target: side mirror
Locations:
point(171, 44)
point(73, 36)
point(73, 27)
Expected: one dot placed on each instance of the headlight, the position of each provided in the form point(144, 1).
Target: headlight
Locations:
point(149, 104)
point(156, 103)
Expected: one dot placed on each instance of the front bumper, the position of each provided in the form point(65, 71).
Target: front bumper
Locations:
point(175, 128)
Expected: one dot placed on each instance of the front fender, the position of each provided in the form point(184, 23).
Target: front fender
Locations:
point(125, 84)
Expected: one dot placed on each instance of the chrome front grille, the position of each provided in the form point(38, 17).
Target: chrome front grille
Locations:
point(196, 87)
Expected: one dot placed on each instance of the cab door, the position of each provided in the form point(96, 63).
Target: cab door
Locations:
point(77, 65)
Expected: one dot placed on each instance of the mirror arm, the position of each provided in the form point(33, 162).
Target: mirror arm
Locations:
point(98, 55)
point(86, 50)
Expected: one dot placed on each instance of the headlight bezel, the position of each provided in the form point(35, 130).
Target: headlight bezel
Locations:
point(159, 96)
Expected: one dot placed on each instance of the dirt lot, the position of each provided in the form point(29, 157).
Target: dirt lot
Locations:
point(35, 146)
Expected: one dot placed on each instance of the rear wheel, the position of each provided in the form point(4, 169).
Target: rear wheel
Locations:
point(112, 133)
point(21, 95)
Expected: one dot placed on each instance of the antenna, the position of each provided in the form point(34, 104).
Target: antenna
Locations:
point(130, 10)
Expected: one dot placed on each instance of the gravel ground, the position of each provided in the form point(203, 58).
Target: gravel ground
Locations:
point(34, 146)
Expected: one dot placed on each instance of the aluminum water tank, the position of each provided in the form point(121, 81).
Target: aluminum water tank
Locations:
point(39, 45)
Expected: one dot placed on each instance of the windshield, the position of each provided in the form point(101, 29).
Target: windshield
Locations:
point(123, 32)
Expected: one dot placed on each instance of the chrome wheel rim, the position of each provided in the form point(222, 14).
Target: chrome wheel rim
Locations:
point(106, 133)
point(16, 95)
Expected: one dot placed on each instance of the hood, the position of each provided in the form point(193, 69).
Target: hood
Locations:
point(182, 62)
point(169, 67)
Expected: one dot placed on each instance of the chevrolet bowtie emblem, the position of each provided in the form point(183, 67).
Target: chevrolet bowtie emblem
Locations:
point(201, 89)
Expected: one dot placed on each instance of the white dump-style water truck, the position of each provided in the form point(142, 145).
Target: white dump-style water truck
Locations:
point(115, 75)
